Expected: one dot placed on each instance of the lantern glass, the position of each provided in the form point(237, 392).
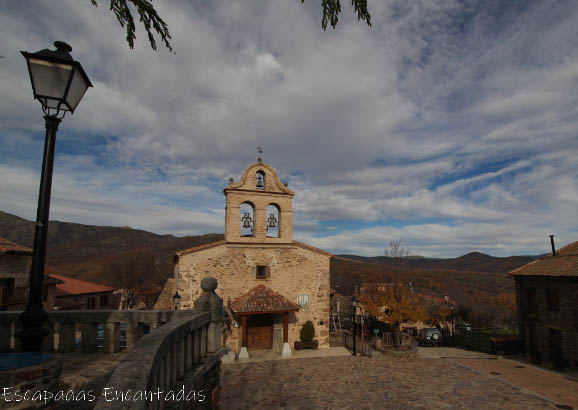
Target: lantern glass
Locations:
point(49, 81)
point(58, 81)
point(78, 87)
point(177, 299)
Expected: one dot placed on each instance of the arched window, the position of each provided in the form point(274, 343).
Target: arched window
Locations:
point(247, 212)
point(273, 221)
point(260, 180)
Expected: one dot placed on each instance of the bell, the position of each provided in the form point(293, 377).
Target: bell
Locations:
point(272, 221)
point(260, 183)
point(246, 219)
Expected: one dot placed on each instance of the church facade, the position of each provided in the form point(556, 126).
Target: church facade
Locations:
point(271, 284)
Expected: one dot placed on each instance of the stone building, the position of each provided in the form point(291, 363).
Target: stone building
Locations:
point(76, 294)
point(270, 283)
point(15, 261)
point(547, 299)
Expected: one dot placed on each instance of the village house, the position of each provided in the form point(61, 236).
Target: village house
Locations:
point(82, 295)
point(15, 261)
point(270, 283)
point(547, 301)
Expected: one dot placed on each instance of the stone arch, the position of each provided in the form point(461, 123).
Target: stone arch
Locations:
point(273, 216)
point(260, 180)
point(247, 218)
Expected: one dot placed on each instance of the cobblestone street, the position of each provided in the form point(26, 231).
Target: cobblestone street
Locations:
point(369, 383)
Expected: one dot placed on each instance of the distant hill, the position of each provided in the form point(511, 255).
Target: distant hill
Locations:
point(88, 252)
point(83, 251)
point(472, 262)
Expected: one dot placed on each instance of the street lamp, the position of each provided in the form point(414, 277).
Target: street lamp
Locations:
point(354, 317)
point(59, 83)
point(177, 300)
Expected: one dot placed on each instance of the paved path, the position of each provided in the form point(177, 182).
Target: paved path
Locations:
point(368, 383)
point(553, 386)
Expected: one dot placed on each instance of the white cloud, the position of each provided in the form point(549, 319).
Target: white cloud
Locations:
point(459, 112)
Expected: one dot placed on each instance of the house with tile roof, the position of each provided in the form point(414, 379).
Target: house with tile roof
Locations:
point(80, 295)
point(547, 301)
point(270, 283)
point(15, 263)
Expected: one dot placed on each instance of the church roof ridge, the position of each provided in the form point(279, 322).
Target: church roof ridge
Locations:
point(312, 248)
point(200, 247)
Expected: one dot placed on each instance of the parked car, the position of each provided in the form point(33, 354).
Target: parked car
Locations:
point(429, 336)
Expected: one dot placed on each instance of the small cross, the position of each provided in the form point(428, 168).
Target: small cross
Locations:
point(259, 150)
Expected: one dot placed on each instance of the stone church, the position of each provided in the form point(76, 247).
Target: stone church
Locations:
point(270, 283)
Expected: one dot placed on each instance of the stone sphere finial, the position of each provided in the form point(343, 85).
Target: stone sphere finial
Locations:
point(209, 284)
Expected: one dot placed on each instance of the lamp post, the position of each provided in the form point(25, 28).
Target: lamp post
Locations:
point(177, 300)
point(59, 83)
point(354, 317)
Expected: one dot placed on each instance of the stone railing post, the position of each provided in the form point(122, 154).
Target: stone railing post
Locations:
point(209, 301)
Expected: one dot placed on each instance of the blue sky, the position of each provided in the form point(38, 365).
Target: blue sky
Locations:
point(450, 124)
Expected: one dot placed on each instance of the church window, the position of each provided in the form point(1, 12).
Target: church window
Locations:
point(263, 272)
point(247, 211)
point(273, 221)
point(260, 180)
point(303, 302)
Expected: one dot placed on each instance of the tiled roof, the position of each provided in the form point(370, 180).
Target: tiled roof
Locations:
point(7, 246)
point(50, 280)
point(200, 247)
point(72, 286)
point(262, 300)
point(565, 263)
point(222, 242)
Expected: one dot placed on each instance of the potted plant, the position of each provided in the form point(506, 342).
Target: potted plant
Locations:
point(307, 334)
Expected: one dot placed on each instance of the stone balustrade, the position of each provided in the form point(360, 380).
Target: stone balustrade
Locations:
point(65, 326)
point(177, 365)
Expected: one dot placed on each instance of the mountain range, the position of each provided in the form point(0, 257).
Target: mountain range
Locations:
point(85, 251)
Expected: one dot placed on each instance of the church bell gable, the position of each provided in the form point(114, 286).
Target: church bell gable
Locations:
point(259, 207)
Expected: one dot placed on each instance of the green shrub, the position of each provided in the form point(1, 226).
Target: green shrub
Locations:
point(307, 331)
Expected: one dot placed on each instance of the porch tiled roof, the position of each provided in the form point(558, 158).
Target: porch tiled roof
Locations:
point(7, 246)
point(261, 299)
point(565, 263)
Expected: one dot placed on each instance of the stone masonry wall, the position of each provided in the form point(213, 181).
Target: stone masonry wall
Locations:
point(565, 320)
point(294, 270)
point(274, 193)
point(15, 266)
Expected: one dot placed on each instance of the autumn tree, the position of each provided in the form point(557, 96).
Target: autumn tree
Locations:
point(153, 23)
point(393, 303)
point(437, 313)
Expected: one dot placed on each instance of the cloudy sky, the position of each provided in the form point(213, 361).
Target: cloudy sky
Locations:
point(450, 124)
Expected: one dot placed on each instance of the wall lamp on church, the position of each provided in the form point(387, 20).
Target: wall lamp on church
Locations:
point(177, 300)
point(59, 83)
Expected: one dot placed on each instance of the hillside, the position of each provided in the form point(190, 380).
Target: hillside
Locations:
point(472, 262)
point(118, 255)
point(85, 251)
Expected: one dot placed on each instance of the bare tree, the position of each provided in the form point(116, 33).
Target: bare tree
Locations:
point(396, 249)
point(138, 273)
